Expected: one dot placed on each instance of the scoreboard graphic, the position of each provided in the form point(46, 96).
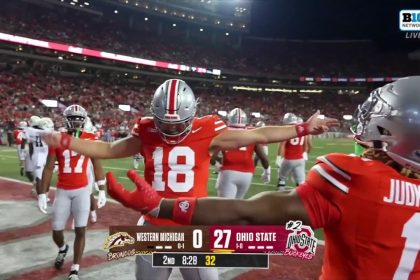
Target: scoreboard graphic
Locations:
point(211, 246)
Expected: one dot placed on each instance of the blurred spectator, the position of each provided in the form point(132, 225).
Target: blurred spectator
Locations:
point(255, 56)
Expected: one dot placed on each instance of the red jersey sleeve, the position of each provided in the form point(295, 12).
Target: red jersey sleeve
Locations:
point(321, 212)
point(217, 126)
point(136, 128)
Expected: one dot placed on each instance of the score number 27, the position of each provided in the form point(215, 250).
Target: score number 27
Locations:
point(222, 238)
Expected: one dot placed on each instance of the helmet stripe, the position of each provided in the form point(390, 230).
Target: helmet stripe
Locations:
point(172, 99)
point(239, 115)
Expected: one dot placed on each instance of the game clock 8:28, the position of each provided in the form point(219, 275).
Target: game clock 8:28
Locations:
point(189, 260)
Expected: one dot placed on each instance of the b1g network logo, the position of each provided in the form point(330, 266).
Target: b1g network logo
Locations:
point(301, 243)
point(410, 21)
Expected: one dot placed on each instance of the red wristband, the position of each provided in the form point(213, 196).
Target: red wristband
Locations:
point(302, 129)
point(183, 210)
point(65, 141)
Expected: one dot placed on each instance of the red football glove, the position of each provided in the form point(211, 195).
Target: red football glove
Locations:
point(144, 198)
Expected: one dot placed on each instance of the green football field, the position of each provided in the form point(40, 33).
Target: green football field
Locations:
point(9, 166)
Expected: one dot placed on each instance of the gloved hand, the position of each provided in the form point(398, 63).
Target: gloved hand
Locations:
point(266, 176)
point(305, 156)
point(144, 198)
point(101, 198)
point(42, 203)
point(279, 160)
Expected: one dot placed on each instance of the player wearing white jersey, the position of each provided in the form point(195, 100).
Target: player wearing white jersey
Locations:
point(38, 147)
point(19, 135)
point(28, 148)
point(137, 158)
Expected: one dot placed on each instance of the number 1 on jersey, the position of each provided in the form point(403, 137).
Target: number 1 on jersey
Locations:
point(411, 232)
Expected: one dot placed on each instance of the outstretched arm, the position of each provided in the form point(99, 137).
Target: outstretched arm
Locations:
point(95, 149)
point(234, 139)
point(267, 208)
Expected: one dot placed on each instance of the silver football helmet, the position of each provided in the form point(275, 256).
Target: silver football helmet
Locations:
point(173, 108)
point(22, 124)
point(237, 118)
point(34, 121)
point(391, 116)
point(46, 124)
point(75, 117)
point(290, 118)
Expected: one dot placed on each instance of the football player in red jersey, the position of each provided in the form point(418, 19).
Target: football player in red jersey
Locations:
point(291, 156)
point(369, 206)
point(177, 148)
point(73, 189)
point(238, 167)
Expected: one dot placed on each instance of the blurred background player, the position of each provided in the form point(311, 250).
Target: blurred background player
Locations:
point(28, 147)
point(308, 143)
point(19, 135)
point(290, 157)
point(40, 149)
point(73, 189)
point(264, 146)
point(137, 158)
point(238, 167)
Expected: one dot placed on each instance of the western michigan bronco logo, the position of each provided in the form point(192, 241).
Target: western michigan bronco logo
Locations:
point(118, 239)
point(301, 242)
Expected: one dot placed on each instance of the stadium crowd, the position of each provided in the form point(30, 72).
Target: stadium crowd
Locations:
point(21, 94)
point(253, 56)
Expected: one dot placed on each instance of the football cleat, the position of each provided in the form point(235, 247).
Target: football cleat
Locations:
point(59, 260)
point(74, 275)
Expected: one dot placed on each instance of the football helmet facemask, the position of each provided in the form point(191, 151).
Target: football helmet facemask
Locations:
point(75, 117)
point(391, 116)
point(173, 108)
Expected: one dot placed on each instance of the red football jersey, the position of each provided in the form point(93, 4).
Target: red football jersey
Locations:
point(295, 148)
point(72, 166)
point(18, 135)
point(182, 169)
point(239, 160)
point(376, 234)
